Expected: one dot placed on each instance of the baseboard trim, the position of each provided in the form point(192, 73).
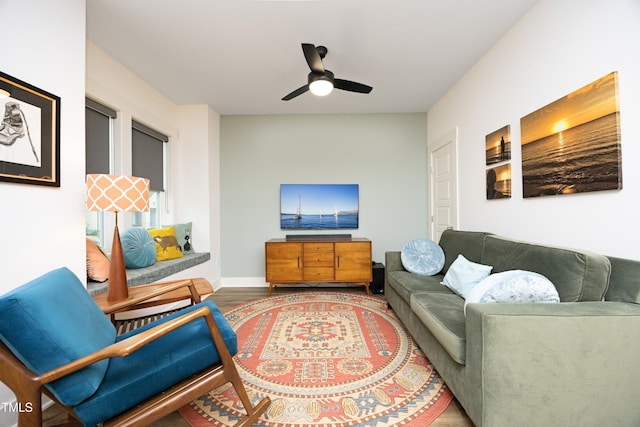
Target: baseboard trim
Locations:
point(243, 282)
point(259, 282)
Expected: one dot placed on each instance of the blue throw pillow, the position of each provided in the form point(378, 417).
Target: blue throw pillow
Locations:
point(138, 248)
point(513, 286)
point(464, 275)
point(423, 257)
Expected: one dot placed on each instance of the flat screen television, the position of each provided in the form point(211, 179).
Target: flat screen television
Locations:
point(318, 206)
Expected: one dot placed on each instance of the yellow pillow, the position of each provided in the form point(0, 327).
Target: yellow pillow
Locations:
point(167, 246)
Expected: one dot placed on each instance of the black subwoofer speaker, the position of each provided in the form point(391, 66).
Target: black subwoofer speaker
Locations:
point(377, 285)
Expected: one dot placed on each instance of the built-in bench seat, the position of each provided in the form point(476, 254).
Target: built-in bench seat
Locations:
point(155, 272)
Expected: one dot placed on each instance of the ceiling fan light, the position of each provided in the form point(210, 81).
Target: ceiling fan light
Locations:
point(321, 87)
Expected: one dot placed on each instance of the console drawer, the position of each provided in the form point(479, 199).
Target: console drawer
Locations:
point(318, 259)
point(318, 247)
point(318, 274)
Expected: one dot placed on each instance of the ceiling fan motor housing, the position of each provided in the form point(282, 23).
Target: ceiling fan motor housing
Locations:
point(327, 75)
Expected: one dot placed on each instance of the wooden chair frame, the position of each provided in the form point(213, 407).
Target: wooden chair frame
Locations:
point(28, 386)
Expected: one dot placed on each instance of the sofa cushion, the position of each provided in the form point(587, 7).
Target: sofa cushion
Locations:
point(443, 315)
point(624, 284)
point(45, 337)
point(464, 275)
point(405, 283)
point(423, 257)
point(578, 275)
point(513, 286)
point(467, 243)
point(157, 366)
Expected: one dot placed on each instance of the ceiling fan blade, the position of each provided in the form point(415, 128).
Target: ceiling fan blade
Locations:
point(313, 58)
point(351, 86)
point(296, 92)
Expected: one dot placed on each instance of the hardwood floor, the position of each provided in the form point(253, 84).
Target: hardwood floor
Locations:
point(227, 298)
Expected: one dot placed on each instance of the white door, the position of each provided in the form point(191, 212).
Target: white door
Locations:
point(443, 184)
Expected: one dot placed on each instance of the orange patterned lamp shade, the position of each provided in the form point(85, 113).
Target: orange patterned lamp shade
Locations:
point(117, 193)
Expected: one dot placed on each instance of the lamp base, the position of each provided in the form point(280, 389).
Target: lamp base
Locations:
point(118, 289)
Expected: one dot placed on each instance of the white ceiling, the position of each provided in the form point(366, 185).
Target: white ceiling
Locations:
point(243, 56)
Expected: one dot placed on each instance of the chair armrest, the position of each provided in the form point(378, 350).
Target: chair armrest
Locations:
point(134, 343)
point(161, 289)
point(552, 362)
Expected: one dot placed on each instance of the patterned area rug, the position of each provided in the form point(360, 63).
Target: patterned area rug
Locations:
point(326, 359)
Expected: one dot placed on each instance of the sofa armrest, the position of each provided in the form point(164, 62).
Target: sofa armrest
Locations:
point(393, 262)
point(558, 364)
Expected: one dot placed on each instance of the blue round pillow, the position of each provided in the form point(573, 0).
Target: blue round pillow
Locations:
point(138, 248)
point(423, 257)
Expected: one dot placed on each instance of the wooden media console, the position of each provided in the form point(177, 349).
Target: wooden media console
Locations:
point(339, 260)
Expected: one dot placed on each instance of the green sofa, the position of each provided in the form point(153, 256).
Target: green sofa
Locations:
point(574, 363)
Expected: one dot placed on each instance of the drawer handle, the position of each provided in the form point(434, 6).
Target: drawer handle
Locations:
point(338, 261)
point(298, 262)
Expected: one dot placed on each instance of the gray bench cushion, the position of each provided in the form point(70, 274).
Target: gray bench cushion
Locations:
point(155, 272)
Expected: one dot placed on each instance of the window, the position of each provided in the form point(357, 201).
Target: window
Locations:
point(147, 160)
point(98, 154)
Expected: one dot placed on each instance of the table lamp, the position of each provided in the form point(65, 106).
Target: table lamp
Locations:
point(117, 193)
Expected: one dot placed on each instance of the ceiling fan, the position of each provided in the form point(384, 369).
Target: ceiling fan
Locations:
point(320, 80)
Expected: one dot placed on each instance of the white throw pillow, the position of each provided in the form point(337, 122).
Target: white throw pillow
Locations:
point(423, 257)
point(464, 275)
point(513, 286)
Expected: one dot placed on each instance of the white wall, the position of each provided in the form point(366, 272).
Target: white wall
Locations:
point(384, 153)
point(43, 227)
point(197, 184)
point(193, 141)
point(558, 47)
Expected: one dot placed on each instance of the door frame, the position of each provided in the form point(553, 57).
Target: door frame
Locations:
point(449, 137)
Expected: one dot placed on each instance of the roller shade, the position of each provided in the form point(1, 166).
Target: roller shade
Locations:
point(147, 154)
point(97, 136)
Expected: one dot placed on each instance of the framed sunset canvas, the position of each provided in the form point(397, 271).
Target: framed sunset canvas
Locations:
point(573, 144)
point(498, 145)
point(499, 182)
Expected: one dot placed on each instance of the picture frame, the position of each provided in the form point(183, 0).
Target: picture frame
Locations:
point(573, 145)
point(498, 145)
point(499, 182)
point(29, 134)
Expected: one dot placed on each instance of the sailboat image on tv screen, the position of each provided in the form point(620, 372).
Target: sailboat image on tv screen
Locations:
point(319, 199)
point(298, 215)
